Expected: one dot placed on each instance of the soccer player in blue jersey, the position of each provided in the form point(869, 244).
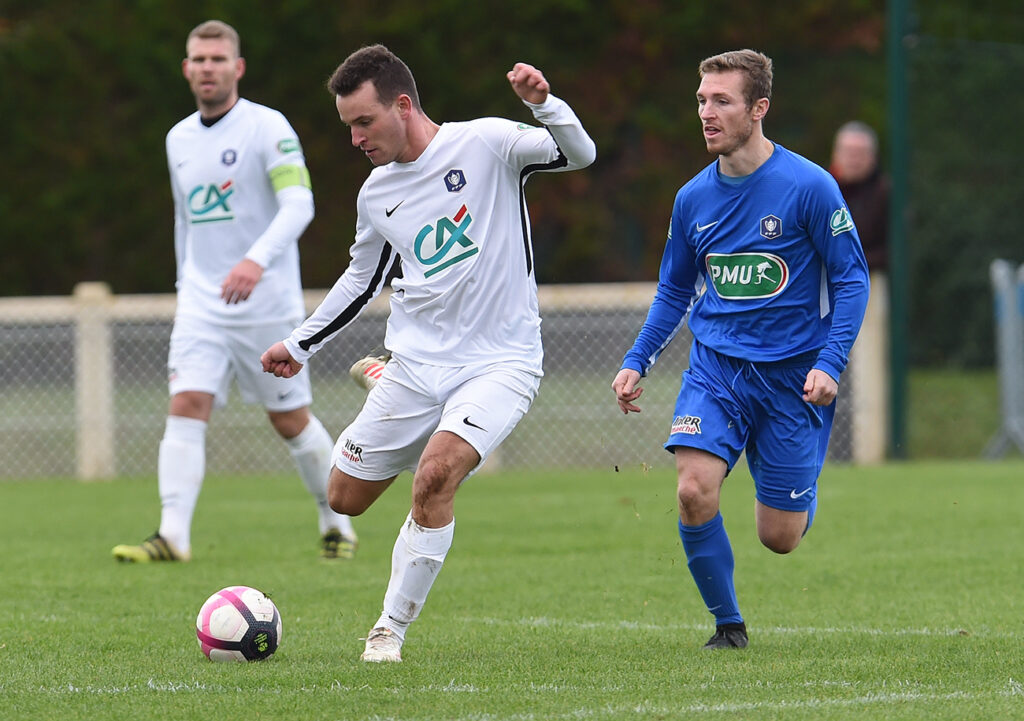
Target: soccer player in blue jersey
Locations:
point(764, 262)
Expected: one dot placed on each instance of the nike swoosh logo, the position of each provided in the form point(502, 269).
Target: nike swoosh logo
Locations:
point(794, 494)
point(702, 228)
point(471, 423)
point(389, 212)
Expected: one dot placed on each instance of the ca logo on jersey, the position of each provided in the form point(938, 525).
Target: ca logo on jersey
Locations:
point(745, 276)
point(209, 203)
point(840, 222)
point(450, 243)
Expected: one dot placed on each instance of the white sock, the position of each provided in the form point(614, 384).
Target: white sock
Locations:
point(311, 450)
point(415, 562)
point(180, 467)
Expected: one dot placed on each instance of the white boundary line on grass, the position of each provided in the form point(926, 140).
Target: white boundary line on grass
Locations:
point(547, 622)
point(641, 709)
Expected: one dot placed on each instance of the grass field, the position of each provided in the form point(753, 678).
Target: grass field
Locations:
point(565, 596)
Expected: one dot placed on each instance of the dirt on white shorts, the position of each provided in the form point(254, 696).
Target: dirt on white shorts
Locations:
point(411, 402)
point(206, 357)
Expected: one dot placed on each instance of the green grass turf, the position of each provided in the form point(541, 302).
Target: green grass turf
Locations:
point(565, 596)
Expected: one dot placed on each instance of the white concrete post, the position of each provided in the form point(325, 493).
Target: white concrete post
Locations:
point(870, 368)
point(94, 385)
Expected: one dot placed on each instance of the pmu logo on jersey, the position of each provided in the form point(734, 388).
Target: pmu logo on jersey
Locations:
point(455, 180)
point(445, 244)
point(771, 227)
point(209, 203)
point(690, 425)
point(841, 221)
point(743, 276)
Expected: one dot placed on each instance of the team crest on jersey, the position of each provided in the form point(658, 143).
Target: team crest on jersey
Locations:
point(841, 221)
point(455, 180)
point(771, 227)
point(228, 157)
point(209, 203)
point(745, 276)
point(442, 246)
point(690, 425)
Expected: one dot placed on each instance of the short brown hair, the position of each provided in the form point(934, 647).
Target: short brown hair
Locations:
point(389, 75)
point(756, 66)
point(215, 29)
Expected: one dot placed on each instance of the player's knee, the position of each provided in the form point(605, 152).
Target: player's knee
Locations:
point(341, 499)
point(434, 481)
point(289, 424)
point(779, 540)
point(694, 499)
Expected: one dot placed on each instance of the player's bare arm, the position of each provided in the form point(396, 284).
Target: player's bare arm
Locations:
point(277, 360)
point(627, 390)
point(529, 83)
point(820, 389)
point(240, 281)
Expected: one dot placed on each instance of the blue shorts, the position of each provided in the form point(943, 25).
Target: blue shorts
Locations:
point(727, 406)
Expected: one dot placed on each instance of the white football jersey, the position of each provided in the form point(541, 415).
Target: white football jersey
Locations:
point(456, 218)
point(229, 182)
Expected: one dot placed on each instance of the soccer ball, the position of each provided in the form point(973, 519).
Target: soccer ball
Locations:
point(238, 623)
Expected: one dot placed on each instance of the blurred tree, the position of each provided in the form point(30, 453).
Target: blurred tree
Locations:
point(87, 98)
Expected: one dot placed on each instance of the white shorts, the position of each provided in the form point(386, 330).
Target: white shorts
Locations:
point(205, 357)
point(411, 402)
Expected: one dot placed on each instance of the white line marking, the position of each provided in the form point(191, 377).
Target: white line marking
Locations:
point(546, 622)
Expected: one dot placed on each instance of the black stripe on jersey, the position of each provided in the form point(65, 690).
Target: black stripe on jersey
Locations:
point(388, 258)
point(560, 162)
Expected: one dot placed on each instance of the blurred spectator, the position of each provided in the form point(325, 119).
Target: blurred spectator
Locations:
point(861, 426)
point(865, 189)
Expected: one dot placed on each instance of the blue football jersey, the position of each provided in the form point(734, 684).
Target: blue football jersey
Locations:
point(763, 269)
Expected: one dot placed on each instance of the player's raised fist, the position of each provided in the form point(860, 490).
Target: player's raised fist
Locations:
point(529, 83)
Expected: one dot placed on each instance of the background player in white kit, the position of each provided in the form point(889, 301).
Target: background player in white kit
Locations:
point(464, 330)
point(242, 198)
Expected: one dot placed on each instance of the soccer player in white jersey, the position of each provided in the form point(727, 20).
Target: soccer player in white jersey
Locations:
point(464, 330)
point(242, 198)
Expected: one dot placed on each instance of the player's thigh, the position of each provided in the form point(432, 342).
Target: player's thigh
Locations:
point(352, 496)
point(246, 345)
point(779, 530)
point(198, 359)
point(485, 405)
point(788, 443)
point(392, 429)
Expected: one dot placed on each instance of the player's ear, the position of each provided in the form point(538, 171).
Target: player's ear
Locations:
point(239, 68)
point(404, 104)
point(761, 108)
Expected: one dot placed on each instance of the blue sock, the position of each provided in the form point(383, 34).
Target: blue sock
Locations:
point(810, 514)
point(709, 556)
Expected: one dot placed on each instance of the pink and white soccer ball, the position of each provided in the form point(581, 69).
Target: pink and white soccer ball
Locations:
point(238, 623)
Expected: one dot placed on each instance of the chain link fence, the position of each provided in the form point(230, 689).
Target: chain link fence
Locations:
point(84, 391)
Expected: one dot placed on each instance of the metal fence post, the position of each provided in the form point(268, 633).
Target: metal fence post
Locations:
point(94, 387)
point(1008, 299)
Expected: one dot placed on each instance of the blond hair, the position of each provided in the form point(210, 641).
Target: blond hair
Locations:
point(215, 29)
